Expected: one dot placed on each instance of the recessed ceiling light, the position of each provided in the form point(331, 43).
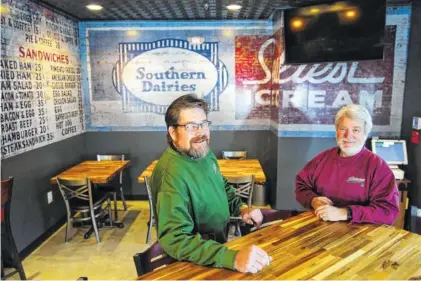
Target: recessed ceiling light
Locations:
point(94, 7)
point(131, 32)
point(234, 7)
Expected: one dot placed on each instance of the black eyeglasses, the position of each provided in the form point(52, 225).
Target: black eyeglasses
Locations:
point(193, 127)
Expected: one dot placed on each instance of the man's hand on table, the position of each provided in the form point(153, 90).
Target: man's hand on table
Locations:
point(331, 213)
point(252, 216)
point(319, 201)
point(251, 259)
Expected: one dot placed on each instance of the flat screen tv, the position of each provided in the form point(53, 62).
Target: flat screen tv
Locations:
point(351, 30)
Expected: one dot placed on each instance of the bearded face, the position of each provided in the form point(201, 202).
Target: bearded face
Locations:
point(350, 136)
point(191, 135)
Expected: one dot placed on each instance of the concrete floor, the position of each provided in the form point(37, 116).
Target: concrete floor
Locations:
point(112, 259)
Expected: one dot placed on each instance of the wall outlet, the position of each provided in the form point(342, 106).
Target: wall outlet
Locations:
point(50, 197)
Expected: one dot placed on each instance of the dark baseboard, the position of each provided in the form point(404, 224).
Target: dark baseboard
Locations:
point(135, 196)
point(35, 244)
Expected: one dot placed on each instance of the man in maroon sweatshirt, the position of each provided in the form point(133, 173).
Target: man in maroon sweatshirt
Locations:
point(349, 182)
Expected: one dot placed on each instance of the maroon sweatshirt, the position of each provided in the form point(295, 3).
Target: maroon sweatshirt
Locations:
point(363, 182)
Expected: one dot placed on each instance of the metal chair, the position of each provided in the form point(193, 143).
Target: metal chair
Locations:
point(114, 187)
point(9, 251)
point(234, 155)
point(152, 258)
point(80, 198)
point(243, 188)
point(151, 221)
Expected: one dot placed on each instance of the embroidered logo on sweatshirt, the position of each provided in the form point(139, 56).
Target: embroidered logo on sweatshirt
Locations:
point(355, 180)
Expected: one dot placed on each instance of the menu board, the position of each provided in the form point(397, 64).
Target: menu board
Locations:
point(41, 96)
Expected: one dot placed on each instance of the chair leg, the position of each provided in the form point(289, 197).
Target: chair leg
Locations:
point(237, 229)
point(110, 218)
point(20, 269)
point(93, 219)
point(115, 206)
point(2, 269)
point(67, 229)
point(17, 264)
point(150, 225)
point(122, 199)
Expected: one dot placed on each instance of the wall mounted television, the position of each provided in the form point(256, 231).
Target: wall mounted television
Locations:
point(351, 30)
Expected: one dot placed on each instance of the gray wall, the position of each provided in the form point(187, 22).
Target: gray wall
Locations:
point(31, 216)
point(293, 155)
point(271, 169)
point(412, 104)
point(144, 147)
point(139, 147)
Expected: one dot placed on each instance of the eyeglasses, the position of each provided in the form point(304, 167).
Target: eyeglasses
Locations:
point(193, 127)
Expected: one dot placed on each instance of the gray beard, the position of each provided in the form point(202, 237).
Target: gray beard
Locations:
point(198, 153)
point(195, 153)
point(351, 151)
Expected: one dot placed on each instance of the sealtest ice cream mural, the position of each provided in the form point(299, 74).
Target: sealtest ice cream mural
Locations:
point(133, 74)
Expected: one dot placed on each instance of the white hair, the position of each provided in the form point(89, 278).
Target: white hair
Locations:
point(356, 112)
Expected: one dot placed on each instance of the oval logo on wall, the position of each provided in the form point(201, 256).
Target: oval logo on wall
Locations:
point(150, 75)
point(160, 76)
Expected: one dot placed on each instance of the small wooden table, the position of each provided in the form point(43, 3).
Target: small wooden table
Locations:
point(99, 172)
point(303, 247)
point(96, 171)
point(229, 168)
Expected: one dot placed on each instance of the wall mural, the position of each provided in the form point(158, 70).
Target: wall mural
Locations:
point(41, 96)
point(149, 76)
point(302, 100)
point(134, 72)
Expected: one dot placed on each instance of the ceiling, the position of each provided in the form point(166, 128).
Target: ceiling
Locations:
point(177, 9)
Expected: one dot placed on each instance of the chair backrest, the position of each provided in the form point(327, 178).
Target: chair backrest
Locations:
point(110, 157)
point(149, 191)
point(152, 258)
point(243, 187)
point(6, 196)
point(79, 189)
point(234, 154)
point(103, 157)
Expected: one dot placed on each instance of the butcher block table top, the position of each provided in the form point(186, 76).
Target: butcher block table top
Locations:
point(96, 171)
point(303, 247)
point(229, 168)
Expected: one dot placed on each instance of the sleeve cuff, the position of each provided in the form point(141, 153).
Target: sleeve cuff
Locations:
point(354, 214)
point(228, 259)
point(311, 199)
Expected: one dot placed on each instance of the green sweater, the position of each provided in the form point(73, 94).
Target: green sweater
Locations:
point(191, 198)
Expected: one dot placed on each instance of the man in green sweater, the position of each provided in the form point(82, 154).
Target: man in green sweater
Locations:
point(192, 200)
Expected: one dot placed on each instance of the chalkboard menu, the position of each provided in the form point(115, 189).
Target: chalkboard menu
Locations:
point(41, 97)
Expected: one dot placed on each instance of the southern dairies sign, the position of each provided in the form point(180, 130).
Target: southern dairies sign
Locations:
point(149, 76)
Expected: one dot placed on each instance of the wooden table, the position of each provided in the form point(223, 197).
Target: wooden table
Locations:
point(229, 168)
point(96, 171)
point(304, 247)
